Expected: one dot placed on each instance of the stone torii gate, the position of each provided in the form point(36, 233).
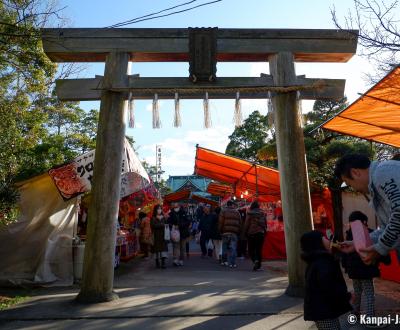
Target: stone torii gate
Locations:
point(202, 48)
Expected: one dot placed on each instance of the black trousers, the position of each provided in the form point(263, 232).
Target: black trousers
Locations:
point(241, 248)
point(203, 243)
point(255, 245)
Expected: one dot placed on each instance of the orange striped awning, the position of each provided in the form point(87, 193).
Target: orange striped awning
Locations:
point(204, 200)
point(239, 173)
point(375, 116)
point(177, 196)
point(219, 189)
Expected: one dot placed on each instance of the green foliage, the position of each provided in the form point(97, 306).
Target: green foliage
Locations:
point(7, 302)
point(247, 139)
point(324, 147)
point(37, 131)
point(324, 110)
point(254, 140)
point(160, 185)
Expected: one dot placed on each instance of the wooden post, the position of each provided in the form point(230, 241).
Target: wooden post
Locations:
point(98, 268)
point(295, 192)
point(255, 168)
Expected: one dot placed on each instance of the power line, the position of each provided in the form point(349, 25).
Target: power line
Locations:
point(146, 17)
point(152, 14)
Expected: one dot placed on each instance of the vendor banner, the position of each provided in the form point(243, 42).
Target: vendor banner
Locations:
point(144, 199)
point(76, 177)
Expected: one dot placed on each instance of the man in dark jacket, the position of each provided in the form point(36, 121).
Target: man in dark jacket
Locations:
point(230, 226)
point(206, 226)
point(254, 230)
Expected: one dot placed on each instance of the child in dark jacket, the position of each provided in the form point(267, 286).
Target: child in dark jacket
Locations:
point(326, 296)
point(361, 274)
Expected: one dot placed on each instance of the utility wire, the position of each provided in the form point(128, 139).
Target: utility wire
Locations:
point(152, 14)
point(146, 17)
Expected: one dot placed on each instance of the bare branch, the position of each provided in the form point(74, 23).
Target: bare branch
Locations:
point(379, 33)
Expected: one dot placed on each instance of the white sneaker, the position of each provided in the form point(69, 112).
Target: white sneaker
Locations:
point(180, 262)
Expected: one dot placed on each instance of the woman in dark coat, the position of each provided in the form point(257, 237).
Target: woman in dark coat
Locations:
point(326, 296)
point(160, 247)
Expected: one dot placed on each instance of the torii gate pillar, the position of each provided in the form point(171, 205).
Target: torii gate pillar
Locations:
point(98, 266)
point(295, 193)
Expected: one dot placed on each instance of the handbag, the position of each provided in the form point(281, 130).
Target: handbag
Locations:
point(210, 245)
point(167, 233)
point(175, 234)
point(197, 237)
point(149, 239)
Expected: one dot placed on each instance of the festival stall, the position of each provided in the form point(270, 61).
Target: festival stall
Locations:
point(127, 239)
point(136, 191)
point(43, 247)
point(375, 116)
point(249, 181)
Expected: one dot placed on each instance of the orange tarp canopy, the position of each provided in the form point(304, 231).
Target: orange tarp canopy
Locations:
point(375, 116)
point(177, 196)
point(204, 200)
point(239, 173)
point(218, 189)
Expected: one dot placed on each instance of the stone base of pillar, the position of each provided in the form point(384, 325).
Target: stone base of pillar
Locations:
point(295, 291)
point(94, 298)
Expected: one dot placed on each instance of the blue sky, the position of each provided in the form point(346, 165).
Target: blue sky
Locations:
point(178, 144)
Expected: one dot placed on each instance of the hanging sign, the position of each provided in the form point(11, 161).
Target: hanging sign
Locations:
point(76, 177)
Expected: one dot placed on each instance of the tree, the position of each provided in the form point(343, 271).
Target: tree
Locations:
point(377, 22)
point(161, 185)
point(323, 149)
point(37, 131)
point(247, 139)
point(324, 110)
point(24, 78)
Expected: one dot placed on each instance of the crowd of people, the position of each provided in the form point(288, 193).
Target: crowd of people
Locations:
point(225, 233)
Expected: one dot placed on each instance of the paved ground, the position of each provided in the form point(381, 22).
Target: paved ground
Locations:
point(199, 295)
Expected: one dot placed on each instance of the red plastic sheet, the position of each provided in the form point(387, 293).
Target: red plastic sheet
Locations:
point(274, 245)
point(391, 272)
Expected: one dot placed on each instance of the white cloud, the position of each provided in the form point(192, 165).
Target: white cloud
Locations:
point(178, 155)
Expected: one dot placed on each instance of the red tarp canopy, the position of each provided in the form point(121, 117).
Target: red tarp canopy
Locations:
point(375, 116)
point(219, 189)
point(177, 196)
point(204, 200)
point(240, 174)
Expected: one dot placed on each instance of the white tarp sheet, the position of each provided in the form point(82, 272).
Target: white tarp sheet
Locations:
point(38, 248)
